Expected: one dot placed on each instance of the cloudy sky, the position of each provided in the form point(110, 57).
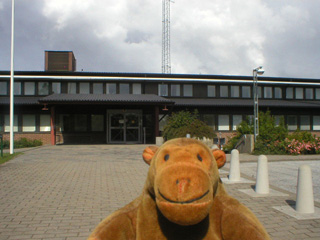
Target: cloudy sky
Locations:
point(229, 37)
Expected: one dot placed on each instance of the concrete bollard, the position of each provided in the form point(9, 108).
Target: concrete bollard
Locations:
point(188, 135)
point(262, 178)
point(234, 174)
point(304, 202)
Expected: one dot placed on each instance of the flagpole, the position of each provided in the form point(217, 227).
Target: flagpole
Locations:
point(12, 85)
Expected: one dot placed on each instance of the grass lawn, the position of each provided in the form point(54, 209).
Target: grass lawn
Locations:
point(7, 156)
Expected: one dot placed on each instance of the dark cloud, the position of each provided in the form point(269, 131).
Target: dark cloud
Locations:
point(214, 37)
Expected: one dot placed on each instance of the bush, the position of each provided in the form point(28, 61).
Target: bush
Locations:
point(270, 135)
point(182, 123)
point(273, 139)
point(245, 127)
point(23, 143)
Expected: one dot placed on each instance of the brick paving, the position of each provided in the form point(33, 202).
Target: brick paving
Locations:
point(63, 192)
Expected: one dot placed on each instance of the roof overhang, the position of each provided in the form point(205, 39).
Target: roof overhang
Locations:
point(128, 99)
point(179, 102)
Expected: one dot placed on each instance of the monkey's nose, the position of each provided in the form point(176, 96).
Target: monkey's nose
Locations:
point(182, 184)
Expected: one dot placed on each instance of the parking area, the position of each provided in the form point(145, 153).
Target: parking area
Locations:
point(63, 192)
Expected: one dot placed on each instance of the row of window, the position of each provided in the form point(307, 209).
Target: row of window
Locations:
point(65, 123)
point(266, 92)
point(95, 123)
point(176, 90)
point(227, 91)
point(166, 90)
point(45, 88)
point(26, 123)
point(226, 122)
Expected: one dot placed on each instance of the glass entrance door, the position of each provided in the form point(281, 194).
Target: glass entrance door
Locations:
point(124, 127)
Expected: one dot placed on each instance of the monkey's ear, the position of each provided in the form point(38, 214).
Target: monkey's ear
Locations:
point(220, 157)
point(148, 153)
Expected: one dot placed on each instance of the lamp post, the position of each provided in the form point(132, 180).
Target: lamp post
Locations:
point(12, 84)
point(257, 71)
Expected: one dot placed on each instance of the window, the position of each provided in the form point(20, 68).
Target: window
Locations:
point(65, 123)
point(246, 92)
point(278, 92)
point(45, 125)
point(56, 87)
point(211, 91)
point(72, 88)
point(97, 123)
point(124, 88)
point(17, 88)
point(97, 88)
point(289, 93)
point(3, 88)
point(29, 88)
point(267, 92)
point(309, 93)
point(163, 90)
point(316, 123)
point(136, 88)
point(292, 122)
point(84, 88)
point(299, 93)
point(304, 122)
point(317, 93)
point(187, 90)
point(29, 123)
point(278, 119)
point(236, 120)
point(209, 120)
point(223, 123)
point(7, 123)
point(224, 91)
point(259, 92)
point(163, 122)
point(175, 90)
point(43, 88)
point(111, 88)
point(235, 91)
point(80, 122)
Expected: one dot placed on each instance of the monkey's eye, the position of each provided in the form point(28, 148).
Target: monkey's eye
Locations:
point(199, 157)
point(166, 157)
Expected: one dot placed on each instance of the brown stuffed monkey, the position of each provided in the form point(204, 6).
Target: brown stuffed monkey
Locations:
point(183, 198)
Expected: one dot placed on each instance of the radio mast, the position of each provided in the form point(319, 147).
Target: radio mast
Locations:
point(166, 62)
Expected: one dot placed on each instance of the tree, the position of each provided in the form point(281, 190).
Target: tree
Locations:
point(184, 122)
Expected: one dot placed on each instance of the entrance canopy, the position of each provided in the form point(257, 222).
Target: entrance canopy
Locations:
point(130, 99)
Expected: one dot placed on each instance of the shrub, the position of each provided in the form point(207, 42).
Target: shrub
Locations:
point(270, 135)
point(23, 143)
point(245, 127)
point(182, 123)
point(273, 139)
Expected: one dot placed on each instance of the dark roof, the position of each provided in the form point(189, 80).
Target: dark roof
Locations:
point(106, 98)
point(157, 75)
point(192, 102)
point(20, 100)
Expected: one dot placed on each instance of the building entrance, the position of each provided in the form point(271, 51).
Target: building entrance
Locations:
point(124, 126)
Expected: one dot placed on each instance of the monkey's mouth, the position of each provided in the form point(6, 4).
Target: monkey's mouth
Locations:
point(183, 202)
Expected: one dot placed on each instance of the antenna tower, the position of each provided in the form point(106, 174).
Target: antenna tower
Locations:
point(166, 62)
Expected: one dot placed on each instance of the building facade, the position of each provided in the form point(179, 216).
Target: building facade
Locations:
point(115, 108)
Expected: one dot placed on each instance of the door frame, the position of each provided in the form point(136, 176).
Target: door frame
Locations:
point(124, 112)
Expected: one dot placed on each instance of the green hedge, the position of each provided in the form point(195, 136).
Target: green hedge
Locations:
point(22, 143)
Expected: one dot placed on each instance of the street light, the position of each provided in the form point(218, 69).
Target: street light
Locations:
point(257, 71)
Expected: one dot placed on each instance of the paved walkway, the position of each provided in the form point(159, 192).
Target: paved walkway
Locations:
point(63, 192)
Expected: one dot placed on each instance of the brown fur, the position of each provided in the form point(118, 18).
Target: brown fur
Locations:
point(183, 198)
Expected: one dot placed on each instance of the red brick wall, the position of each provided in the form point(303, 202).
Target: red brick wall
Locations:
point(44, 137)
